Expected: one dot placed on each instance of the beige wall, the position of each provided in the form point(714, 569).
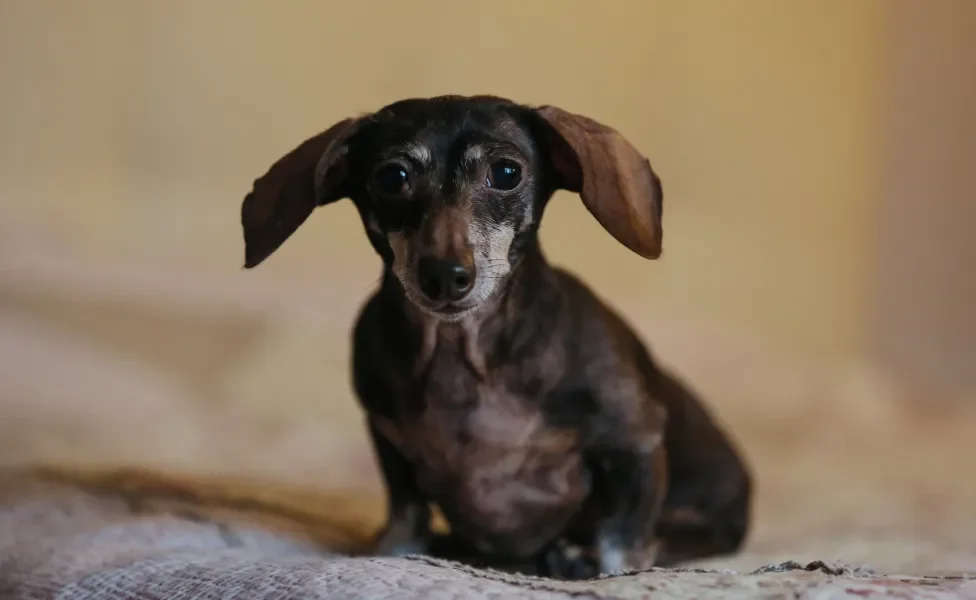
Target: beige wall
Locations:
point(925, 292)
point(132, 129)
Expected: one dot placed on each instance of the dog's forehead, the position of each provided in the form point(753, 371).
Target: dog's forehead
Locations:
point(431, 121)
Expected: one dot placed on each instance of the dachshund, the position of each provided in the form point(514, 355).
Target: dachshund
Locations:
point(497, 388)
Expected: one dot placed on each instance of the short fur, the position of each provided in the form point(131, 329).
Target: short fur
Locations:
point(510, 397)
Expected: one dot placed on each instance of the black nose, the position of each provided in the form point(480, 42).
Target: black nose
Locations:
point(444, 280)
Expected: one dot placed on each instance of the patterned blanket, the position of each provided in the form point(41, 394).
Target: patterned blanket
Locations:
point(137, 536)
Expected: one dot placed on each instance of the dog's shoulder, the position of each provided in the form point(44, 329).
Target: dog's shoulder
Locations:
point(608, 352)
point(596, 319)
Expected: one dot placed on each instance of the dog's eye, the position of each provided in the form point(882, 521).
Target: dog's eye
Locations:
point(391, 180)
point(504, 175)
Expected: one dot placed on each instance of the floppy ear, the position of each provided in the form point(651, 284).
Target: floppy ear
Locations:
point(613, 179)
point(309, 176)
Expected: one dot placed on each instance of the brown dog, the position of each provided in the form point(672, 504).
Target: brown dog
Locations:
point(497, 387)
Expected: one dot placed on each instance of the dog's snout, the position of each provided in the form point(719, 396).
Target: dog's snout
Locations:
point(444, 280)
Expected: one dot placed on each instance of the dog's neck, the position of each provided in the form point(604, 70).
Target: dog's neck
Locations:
point(476, 332)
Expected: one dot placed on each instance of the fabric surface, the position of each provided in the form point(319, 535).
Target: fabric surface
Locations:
point(78, 539)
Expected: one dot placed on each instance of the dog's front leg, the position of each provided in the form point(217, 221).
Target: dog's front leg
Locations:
point(407, 529)
point(630, 482)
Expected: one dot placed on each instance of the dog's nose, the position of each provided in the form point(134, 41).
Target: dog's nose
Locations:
point(444, 280)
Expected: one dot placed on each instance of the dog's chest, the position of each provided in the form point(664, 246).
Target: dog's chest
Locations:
point(486, 452)
point(463, 422)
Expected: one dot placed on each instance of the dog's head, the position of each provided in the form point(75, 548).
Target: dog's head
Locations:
point(451, 190)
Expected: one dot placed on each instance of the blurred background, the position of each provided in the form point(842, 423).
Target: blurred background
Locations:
point(817, 285)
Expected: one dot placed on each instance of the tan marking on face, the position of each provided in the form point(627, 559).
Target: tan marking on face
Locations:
point(404, 263)
point(491, 245)
point(403, 268)
point(420, 153)
point(474, 153)
point(401, 254)
point(444, 235)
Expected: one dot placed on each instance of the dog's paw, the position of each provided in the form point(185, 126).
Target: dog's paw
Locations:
point(614, 559)
point(394, 542)
point(569, 562)
point(401, 549)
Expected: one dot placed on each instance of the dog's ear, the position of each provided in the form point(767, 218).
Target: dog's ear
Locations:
point(613, 179)
point(281, 200)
